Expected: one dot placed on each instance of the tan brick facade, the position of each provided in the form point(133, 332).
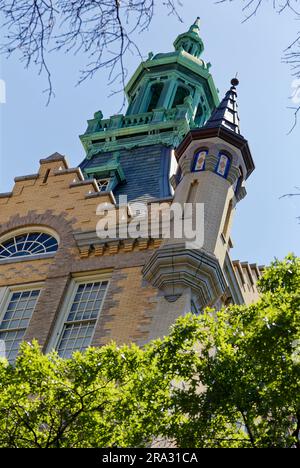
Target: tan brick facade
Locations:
point(66, 207)
point(58, 200)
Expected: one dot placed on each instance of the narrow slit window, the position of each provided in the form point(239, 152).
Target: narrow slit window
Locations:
point(227, 220)
point(45, 180)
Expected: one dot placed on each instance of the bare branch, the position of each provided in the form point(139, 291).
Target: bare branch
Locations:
point(292, 52)
point(104, 30)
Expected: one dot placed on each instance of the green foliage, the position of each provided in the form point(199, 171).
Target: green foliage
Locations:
point(90, 400)
point(243, 386)
point(223, 379)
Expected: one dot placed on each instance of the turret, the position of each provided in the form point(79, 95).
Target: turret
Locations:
point(213, 163)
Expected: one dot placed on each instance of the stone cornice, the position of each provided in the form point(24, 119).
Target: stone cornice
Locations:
point(26, 177)
point(89, 243)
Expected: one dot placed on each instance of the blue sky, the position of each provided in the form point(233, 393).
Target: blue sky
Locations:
point(265, 226)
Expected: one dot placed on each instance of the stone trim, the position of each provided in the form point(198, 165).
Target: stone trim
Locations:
point(73, 170)
point(82, 183)
point(102, 194)
point(172, 268)
point(26, 177)
point(26, 259)
point(56, 157)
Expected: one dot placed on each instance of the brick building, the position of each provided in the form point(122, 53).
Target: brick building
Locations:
point(68, 287)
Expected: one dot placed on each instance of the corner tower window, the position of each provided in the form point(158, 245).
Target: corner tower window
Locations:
point(222, 167)
point(199, 161)
point(155, 92)
point(28, 244)
point(180, 96)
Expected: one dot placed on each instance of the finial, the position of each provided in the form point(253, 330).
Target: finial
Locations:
point(235, 81)
point(196, 24)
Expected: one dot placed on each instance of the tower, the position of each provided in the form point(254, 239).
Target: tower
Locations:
point(76, 288)
point(169, 94)
point(214, 161)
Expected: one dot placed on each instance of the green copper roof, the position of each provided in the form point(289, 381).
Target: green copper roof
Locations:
point(190, 41)
point(168, 94)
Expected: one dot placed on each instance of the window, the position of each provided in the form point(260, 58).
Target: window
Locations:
point(239, 182)
point(28, 245)
point(178, 175)
point(199, 117)
point(195, 309)
point(103, 184)
point(227, 219)
point(17, 315)
point(155, 93)
point(180, 96)
point(199, 161)
point(223, 165)
point(81, 317)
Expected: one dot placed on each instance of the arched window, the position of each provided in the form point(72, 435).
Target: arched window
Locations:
point(200, 116)
point(28, 244)
point(155, 92)
point(181, 94)
point(199, 160)
point(223, 165)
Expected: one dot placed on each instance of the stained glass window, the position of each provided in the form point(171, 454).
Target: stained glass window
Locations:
point(199, 160)
point(16, 319)
point(223, 165)
point(28, 244)
point(81, 319)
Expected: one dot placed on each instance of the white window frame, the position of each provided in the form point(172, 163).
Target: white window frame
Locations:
point(6, 294)
point(108, 179)
point(68, 302)
point(28, 230)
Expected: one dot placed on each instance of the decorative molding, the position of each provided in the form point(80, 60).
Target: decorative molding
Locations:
point(172, 268)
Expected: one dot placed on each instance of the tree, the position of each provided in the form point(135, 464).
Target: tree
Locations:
point(241, 388)
point(221, 379)
point(91, 400)
point(103, 30)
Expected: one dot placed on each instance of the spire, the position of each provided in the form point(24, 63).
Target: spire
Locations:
point(190, 41)
point(226, 114)
point(195, 27)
